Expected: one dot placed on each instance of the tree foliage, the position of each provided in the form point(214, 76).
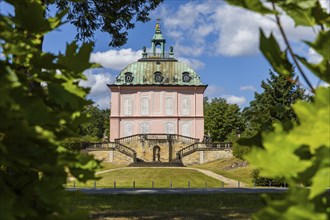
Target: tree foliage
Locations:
point(98, 123)
point(221, 118)
point(274, 103)
point(40, 104)
point(112, 17)
point(298, 153)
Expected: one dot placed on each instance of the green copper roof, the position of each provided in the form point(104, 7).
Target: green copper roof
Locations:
point(158, 68)
point(158, 72)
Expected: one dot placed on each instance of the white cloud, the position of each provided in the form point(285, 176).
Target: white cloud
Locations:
point(239, 35)
point(213, 91)
point(189, 25)
point(247, 88)
point(99, 92)
point(313, 56)
point(116, 59)
point(239, 100)
point(325, 4)
point(189, 50)
point(194, 63)
point(221, 29)
point(323, 84)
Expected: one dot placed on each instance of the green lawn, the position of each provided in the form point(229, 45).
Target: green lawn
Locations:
point(242, 174)
point(214, 206)
point(144, 177)
point(108, 166)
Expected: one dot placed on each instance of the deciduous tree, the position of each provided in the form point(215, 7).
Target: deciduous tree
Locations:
point(112, 17)
point(221, 118)
point(98, 123)
point(34, 166)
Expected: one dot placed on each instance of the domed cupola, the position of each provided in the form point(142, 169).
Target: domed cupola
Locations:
point(158, 67)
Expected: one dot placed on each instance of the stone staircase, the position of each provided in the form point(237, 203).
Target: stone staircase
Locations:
point(173, 163)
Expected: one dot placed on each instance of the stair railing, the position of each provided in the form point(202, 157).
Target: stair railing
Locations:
point(126, 150)
point(201, 146)
point(187, 150)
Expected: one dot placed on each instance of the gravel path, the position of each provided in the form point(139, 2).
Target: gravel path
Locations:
point(177, 191)
point(229, 182)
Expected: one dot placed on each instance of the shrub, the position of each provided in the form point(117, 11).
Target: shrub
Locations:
point(240, 150)
point(262, 181)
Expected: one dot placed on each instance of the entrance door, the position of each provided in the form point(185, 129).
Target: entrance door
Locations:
point(156, 153)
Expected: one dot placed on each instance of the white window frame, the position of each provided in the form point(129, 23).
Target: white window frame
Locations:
point(144, 105)
point(128, 106)
point(186, 126)
point(128, 128)
point(169, 106)
point(186, 106)
point(169, 128)
point(144, 127)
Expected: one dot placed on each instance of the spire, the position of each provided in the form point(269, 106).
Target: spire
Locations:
point(158, 45)
point(158, 40)
point(158, 34)
point(158, 26)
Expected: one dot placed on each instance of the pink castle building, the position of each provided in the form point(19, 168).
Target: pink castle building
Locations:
point(157, 95)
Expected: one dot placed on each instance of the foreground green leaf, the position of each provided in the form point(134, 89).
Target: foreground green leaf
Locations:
point(277, 58)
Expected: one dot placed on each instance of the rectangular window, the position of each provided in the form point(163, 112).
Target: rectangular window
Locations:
point(169, 128)
point(169, 106)
point(144, 106)
point(128, 106)
point(186, 105)
point(128, 129)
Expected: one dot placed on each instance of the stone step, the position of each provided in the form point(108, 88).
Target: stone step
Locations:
point(176, 163)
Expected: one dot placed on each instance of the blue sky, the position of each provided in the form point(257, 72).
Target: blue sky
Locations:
point(218, 40)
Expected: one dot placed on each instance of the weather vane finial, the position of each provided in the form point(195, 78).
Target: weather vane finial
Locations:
point(157, 24)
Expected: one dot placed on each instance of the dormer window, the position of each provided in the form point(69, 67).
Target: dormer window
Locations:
point(185, 77)
point(129, 77)
point(158, 77)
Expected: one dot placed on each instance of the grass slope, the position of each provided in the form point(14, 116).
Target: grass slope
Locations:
point(215, 206)
point(161, 177)
point(108, 166)
point(242, 174)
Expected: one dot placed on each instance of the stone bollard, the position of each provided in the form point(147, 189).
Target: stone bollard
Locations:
point(74, 184)
point(171, 184)
point(133, 184)
point(114, 184)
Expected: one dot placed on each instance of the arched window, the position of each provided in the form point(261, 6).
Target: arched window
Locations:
point(144, 128)
point(185, 129)
point(128, 106)
point(158, 48)
point(169, 128)
point(186, 106)
point(169, 106)
point(144, 106)
point(128, 129)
